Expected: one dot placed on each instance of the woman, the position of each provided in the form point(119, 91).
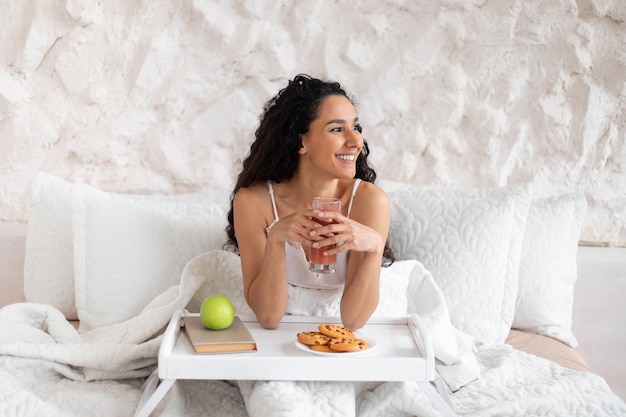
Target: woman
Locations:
point(309, 144)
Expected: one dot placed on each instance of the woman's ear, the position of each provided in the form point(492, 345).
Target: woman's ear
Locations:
point(302, 149)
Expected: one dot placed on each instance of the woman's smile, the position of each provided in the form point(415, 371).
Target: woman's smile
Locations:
point(347, 157)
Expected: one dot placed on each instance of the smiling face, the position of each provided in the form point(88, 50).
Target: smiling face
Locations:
point(333, 141)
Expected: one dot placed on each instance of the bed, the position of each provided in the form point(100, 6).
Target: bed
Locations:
point(104, 272)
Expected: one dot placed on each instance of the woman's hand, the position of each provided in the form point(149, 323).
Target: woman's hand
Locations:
point(346, 233)
point(295, 227)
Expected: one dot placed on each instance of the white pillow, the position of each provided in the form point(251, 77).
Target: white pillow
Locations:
point(470, 240)
point(48, 260)
point(548, 269)
point(126, 253)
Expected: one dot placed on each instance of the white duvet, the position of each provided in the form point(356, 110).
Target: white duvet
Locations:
point(48, 369)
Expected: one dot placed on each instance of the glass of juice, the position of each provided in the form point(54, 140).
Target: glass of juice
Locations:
point(318, 262)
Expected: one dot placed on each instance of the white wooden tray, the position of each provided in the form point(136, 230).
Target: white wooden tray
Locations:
point(403, 352)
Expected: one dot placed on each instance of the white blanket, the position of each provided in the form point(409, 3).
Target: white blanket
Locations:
point(48, 369)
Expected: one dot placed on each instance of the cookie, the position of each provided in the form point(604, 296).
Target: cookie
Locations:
point(313, 338)
point(323, 348)
point(347, 345)
point(336, 331)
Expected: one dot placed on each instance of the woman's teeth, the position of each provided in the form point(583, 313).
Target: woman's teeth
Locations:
point(346, 157)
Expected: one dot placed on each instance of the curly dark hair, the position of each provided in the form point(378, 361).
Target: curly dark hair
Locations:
point(274, 153)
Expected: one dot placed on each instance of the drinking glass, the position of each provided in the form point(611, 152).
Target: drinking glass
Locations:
point(318, 262)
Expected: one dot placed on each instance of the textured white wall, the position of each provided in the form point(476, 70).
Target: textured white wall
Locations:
point(164, 96)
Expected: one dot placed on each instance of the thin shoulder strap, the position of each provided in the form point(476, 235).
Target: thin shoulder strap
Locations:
point(269, 185)
point(268, 228)
point(354, 188)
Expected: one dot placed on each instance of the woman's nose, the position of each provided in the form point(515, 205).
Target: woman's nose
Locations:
point(354, 139)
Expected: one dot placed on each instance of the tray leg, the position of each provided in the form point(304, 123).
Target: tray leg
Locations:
point(153, 392)
point(439, 400)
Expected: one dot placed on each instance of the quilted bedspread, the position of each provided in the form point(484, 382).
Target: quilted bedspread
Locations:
point(48, 368)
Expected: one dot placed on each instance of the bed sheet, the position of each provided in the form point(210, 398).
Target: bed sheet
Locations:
point(48, 368)
point(547, 348)
point(45, 370)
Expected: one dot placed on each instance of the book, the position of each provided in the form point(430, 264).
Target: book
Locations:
point(235, 338)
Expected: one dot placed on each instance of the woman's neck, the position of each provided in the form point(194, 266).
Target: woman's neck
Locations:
point(298, 192)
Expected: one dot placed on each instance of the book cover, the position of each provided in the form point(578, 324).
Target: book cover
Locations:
point(235, 338)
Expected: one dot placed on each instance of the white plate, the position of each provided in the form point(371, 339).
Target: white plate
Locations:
point(371, 344)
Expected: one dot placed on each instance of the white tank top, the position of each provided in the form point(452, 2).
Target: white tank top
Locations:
point(296, 264)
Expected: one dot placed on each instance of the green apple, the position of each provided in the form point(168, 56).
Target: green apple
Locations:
point(217, 312)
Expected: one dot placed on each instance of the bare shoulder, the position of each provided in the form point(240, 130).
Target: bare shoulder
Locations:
point(373, 193)
point(370, 199)
point(252, 205)
point(254, 194)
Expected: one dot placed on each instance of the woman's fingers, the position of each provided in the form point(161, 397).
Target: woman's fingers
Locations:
point(296, 228)
point(346, 236)
point(336, 229)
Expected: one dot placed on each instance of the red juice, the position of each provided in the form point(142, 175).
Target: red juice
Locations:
point(318, 262)
point(316, 255)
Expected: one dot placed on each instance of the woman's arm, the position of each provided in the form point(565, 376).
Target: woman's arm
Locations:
point(262, 260)
point(263, 255)
point(364, 234)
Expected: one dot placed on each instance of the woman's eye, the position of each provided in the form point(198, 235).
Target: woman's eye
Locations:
point(358, 128)
point(335, 129)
